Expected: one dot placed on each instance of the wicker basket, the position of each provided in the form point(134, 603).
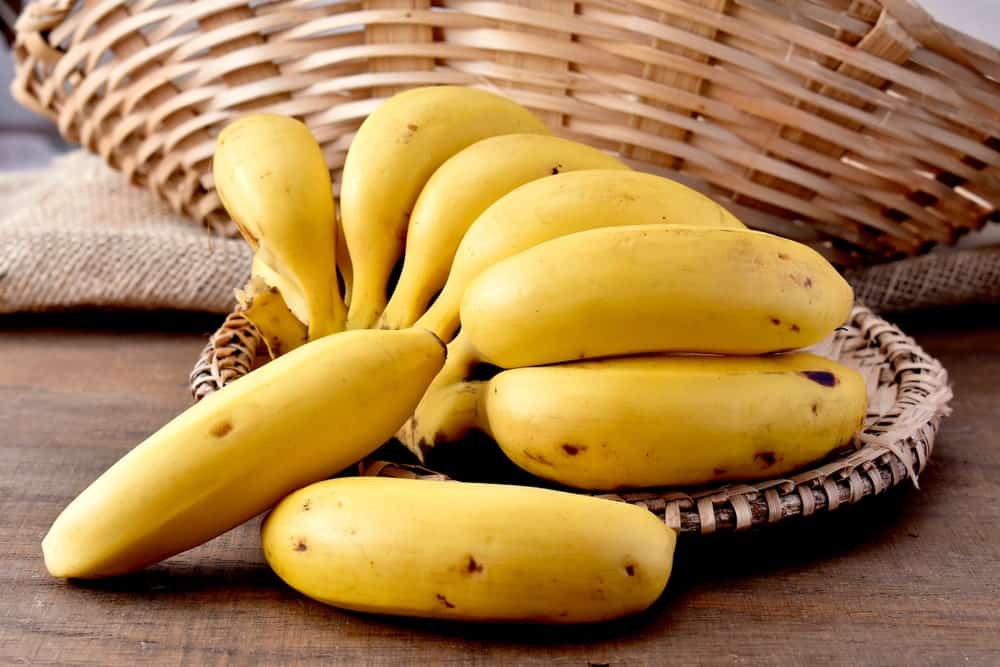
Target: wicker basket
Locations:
point(908, 394)
point(861, 127)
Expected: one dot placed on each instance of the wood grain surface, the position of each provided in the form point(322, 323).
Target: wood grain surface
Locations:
point(912, 578)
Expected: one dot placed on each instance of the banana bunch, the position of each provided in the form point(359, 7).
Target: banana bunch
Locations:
point(638, 290)
point(606, 328)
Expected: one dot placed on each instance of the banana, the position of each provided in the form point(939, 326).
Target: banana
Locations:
point(558, 205)
point(653, 288)
point(476, 552)
point(618, 291)
point(395, 151)
point(262, 304)
point(271, 177)
point(462, 188)
point(300, 418)
point(672, 421)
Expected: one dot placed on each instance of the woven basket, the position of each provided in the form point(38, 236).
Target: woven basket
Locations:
point(908, 394)
point(861, 127)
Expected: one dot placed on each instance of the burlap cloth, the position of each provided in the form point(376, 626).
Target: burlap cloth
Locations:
point(76, 235)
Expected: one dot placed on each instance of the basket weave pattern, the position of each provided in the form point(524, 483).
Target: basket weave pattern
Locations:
point(861, 127)
point(908, 394)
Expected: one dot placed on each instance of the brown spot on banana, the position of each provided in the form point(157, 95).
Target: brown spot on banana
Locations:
point(472, 565)
point(537, 458)
point(443, 600)
point(300, 545)
point(766, 459)
point(222, 429)
point(823, 378)
point(573, 450)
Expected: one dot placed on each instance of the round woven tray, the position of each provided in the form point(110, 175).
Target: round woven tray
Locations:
point(908, 394)
point(861, 127)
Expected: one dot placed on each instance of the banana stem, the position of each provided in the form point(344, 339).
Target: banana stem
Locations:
point(449, 409)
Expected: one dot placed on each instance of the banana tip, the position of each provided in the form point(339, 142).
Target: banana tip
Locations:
point(58, 566)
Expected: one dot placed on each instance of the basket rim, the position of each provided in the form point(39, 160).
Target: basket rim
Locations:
point(895, 446)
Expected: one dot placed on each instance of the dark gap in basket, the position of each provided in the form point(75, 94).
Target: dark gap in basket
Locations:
point(950, 179)
point(975, 163)
point(895, 214)
point(922, 198)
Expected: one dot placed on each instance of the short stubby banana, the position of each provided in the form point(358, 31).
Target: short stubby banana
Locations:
point(653, 288)
point(298, 419)
point(461, 189)
point(672, 421)
point(395, 151)
point(563, 204)
point(271, 177)
point(475, 552)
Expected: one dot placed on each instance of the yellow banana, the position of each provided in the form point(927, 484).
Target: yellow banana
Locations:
point(478, 552)
point(672, 421)
point(630, 290)
point(300, 418)
point(395, 151)
point(558, 205)
point(461, 189)
point(271, 177)
point(653, 288)
point(262, 304)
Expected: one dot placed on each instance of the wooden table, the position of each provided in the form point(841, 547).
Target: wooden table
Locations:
point(912, 578)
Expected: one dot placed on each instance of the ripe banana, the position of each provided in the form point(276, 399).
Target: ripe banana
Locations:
point(653, 288)
point(629, 290)
point(672, 421)
point(558, 205)
point(395, 151)
point(300, 418)
point(480, 552)
point(461, 189)
point(262, 304)
point(271, 177)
